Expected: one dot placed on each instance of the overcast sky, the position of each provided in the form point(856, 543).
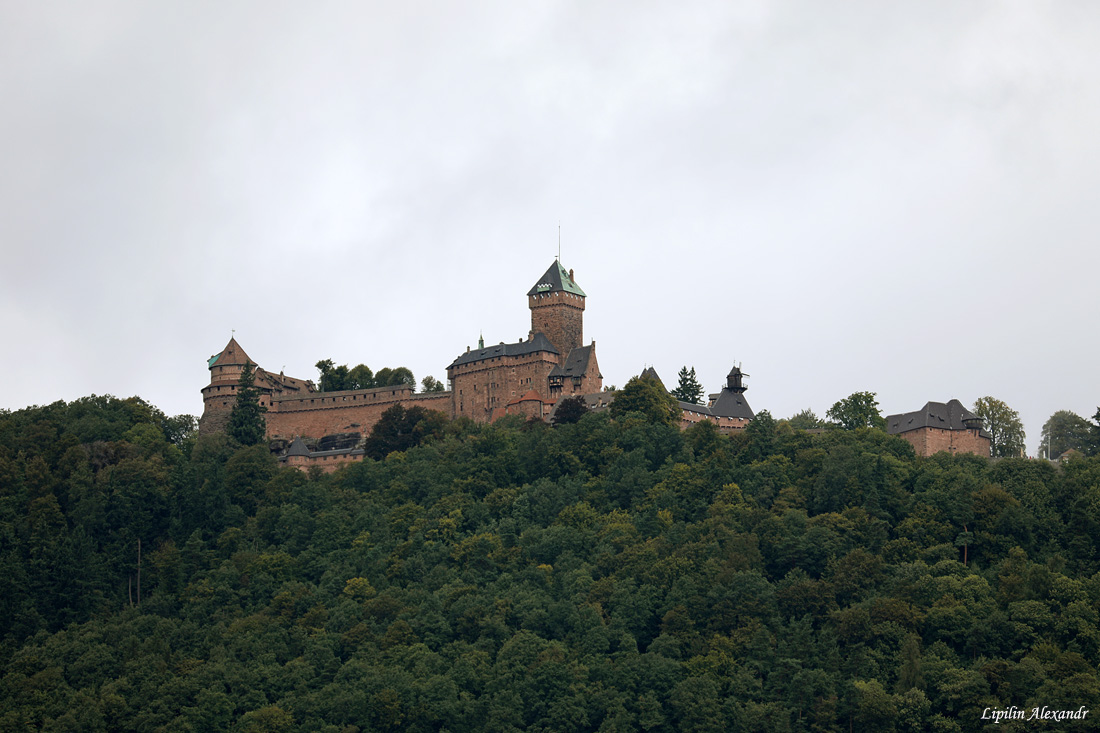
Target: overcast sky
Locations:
point(893, 197)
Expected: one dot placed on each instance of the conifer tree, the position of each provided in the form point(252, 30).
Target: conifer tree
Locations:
point(689, 389)
point(246, 421)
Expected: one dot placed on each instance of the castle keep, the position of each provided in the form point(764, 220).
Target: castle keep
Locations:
point(529, 376)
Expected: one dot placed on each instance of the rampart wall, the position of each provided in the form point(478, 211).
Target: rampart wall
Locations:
point(353, 411)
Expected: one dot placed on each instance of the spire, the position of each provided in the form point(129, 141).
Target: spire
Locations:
point(481, 340)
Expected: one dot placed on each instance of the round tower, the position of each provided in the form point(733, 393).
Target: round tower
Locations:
point(219, 396)
point(557, 309)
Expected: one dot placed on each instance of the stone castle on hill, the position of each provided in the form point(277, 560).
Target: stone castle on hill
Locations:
point(526, 378)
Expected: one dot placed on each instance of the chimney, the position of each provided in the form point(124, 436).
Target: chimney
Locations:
point(571, 275)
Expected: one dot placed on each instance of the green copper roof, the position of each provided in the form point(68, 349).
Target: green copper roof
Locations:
point(556, 279)
point(214, 358)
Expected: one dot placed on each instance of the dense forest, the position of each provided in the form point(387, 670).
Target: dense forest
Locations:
point(615, 574)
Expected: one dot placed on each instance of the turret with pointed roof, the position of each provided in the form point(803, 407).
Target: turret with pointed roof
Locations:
point(557, 309)
point(225, 373)
point(227, 364)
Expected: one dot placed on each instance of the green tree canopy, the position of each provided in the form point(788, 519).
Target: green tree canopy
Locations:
point(1065, 430)
point(647, 397)
point(360, 377)
point(400, 429)
point(857, 410)
point(246, 421)
point(335, 378)
point(689, 389)
point(396, 377)
point(806, 420)
point(431, 384)
point(570, 410)
point(1003, 425)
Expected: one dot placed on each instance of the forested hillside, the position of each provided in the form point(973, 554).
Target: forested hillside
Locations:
point(600, 576)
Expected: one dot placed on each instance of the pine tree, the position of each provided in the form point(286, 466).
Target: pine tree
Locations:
point(246, 421)
point(689, 389)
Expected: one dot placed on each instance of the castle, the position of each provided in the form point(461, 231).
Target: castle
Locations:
point(939, 427)
point(526, 378)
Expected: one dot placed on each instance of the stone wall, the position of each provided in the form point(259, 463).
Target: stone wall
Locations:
point(326, 413)
point(482, 386)
point(929, 441)
point(560, 317)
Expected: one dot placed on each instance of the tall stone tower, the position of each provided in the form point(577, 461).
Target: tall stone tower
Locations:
point(557, 309)
point(220, 395)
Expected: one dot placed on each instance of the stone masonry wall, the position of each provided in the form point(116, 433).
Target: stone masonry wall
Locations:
point(480, 387)
point(356, 411)
point(929, 441)
point(560, 316)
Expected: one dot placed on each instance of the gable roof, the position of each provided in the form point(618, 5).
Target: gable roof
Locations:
point(536, 343)
point(231, 355)
point(576, 364)
point(556, 279)
point(949, 416)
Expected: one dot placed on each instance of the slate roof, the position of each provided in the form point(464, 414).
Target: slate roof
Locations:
point(576, 364)
point(694, 407)
point(556, 279)
point(537, 343)
point(298, 448)
point(950, 416)
point(731, 403)
point(651, 373)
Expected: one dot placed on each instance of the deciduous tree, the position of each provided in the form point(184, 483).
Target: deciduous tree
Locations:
point(1003, 425)
point(360, 377)
point(646, 396)
point(399, 429)
point(431, 384)
point(806, 420)
point(1065, 430)
point(857, 410)
point(386, 377)
point(570, 410)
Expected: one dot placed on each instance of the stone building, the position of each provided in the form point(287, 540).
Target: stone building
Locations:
point(524, 378)
point(941, 427)
point(550, 363)
point(295, 407)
